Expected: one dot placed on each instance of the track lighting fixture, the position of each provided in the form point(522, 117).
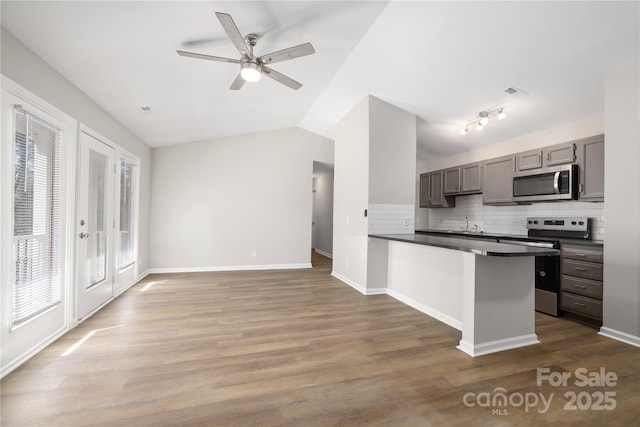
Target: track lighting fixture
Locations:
point(483, 119)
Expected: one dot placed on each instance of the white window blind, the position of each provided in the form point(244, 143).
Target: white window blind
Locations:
point(126, 252)
point(37, 232)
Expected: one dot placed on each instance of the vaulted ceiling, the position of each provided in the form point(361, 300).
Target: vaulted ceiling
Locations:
point(443, 61)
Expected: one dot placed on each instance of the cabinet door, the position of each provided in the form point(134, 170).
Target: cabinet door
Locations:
point(498, 181)
point(471, 178)
point(529, 160)
point(560, 154)
point(424, 190)
point(436, 198)
point(451, 181)
point(591, 162)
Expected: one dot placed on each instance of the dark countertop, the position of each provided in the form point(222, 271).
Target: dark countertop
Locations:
point(499, 236)
point(476, 246)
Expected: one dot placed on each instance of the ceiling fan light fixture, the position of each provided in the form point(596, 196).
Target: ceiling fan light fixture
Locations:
point(464, 131)
point(250, 71)
point(479, 125)
point(501, 114)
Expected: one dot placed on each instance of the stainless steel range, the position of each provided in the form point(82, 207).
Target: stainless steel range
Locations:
point(548, 232)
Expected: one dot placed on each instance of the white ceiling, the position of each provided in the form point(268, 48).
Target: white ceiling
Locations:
point(443, 61)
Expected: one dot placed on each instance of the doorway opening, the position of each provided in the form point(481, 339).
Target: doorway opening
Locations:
point(322, 210)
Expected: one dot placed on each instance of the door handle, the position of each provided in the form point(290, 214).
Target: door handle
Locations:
point(84, 235)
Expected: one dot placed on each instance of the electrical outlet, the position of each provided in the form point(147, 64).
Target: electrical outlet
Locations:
point(517, 221)
point(254, 253)
point(407, 222)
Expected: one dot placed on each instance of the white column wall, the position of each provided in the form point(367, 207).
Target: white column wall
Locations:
point(621, 302)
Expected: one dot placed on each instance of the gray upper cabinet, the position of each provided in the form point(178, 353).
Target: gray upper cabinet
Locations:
point(553, 155)
point(560, 154)
point(462, 180)
point(591, 163)
point(451, 181)
point(424, 190)
point(471, 176)
point(498, 180)
point(431, 191)
point(529, 160)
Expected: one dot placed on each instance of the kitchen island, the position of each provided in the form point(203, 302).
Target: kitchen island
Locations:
point(483, 288)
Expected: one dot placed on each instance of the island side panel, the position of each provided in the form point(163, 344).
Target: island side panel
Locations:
point(428, 279)
point(498, 301)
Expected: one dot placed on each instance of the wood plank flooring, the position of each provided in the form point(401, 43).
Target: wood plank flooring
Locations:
point(300, 348)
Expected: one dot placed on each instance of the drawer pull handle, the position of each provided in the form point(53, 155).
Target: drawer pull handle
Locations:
point(579, 304)
point(580, 269)
point(579, 286)
point(583, 255)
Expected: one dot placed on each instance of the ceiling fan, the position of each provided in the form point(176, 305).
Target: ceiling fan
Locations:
point(251, 66)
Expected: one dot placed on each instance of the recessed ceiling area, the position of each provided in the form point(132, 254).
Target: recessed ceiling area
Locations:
point(443, 61)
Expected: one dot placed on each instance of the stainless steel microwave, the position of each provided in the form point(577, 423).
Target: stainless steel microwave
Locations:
point(546, 184)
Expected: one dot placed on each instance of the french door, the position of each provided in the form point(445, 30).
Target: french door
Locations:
point(96, 183)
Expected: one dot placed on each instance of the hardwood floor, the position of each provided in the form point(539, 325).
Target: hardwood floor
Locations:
point(298, 347)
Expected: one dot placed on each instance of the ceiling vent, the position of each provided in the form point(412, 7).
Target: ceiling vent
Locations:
point(512, 90)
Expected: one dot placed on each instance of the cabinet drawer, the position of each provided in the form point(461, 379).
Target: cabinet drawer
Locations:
point(581, 286)
point(579, 304)
point(588, 270)
point(582, 253)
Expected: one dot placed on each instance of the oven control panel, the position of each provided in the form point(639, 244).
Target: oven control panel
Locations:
point(559, 223)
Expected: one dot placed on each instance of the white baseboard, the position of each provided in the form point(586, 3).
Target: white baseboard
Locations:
point(497, 345)
point(323, 253)
point(229, 268)
point(358, 287)
point(620, 336)
point(130, 284)
point(429, 311)
point(9, 367)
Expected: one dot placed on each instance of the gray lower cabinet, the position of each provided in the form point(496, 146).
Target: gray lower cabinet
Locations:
point(498, 180)
point(582, 282)
point(591, 163)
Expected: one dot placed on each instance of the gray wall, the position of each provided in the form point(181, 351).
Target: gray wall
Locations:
point(392, 154)
point(622, 204)
point(216, 202)
point(24, 67)
point(375, 164)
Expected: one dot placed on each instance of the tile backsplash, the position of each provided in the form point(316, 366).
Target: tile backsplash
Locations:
point(511, 219)
point(391, 219)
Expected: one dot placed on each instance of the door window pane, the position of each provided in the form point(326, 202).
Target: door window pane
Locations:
point(96, 224)
point(37, 235)
point(126, 252)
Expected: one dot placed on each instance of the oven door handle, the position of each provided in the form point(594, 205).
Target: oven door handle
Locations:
point(556, 179)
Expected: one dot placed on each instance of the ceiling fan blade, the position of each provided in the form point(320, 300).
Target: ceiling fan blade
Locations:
point(208, 57)
point(281, 78)
point(237, 83)
point(234, 34)
point(289, 53)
